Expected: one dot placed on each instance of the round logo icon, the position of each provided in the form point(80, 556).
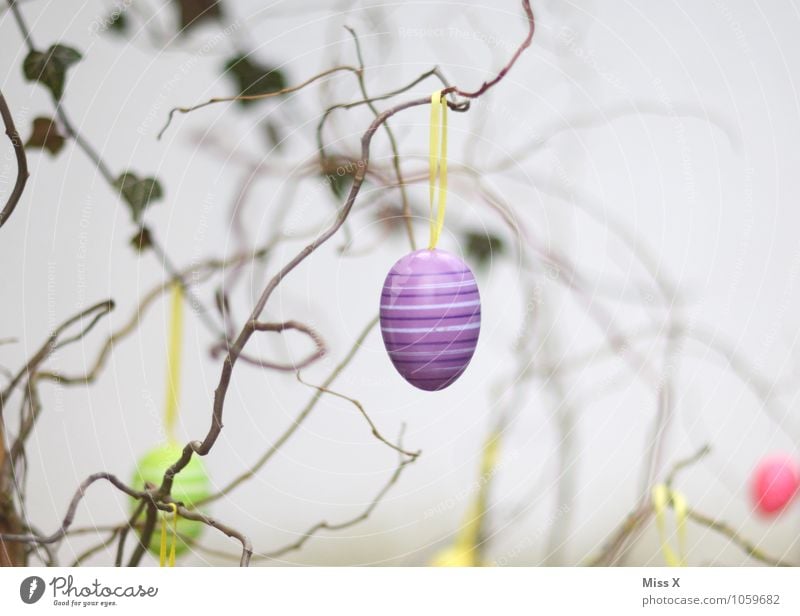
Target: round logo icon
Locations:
point(31, 589)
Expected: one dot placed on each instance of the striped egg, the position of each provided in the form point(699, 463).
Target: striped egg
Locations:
point(430, 317)
point(189, 486)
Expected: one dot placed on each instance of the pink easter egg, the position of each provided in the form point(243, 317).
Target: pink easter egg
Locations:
point(430, 315)
point(775, 482)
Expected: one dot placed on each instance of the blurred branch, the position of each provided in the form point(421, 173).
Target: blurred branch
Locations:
point(747, 546)
point(392, 141)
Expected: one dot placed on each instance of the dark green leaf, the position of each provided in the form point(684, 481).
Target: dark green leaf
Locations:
point(197, 11)
point(117, 22)
point(50, 68)
point(252, 78)
point(340, 184)
point(142, 240)
point(482, 246)
point(45, 134)
point(138, 193)
point(65, 55)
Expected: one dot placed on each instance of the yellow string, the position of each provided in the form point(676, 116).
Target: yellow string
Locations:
point(662, 497)
point(174, 361)
point(681, 514)
point(437, 162)
point(464, 551)
point(162, 561)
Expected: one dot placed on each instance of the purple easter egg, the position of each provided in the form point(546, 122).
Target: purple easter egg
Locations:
point(430, 317)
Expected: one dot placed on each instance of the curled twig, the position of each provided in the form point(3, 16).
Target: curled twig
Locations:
point(319, 343)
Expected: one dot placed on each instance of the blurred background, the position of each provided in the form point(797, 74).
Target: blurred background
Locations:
point(627, 197)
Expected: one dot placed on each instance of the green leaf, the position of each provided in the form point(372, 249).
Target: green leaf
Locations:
point(482, 246)
point(117, 21)
point(138, 193)
point(197, 11)
point(340, 184)
point(142, 240)
point(45, 135)
point(66, 55)
point(253, 78)
point(50, 68)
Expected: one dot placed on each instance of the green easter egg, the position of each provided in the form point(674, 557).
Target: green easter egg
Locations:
point(190, 486)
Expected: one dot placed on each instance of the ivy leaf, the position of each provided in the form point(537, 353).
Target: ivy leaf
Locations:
point(45, 135)
point(340, 185)
point(117, 22)
point(50, 67)
point(483, 246)
point(197, 11)
point(142, 240)
point(65, 55)
point(138, 193)
point(253, 78)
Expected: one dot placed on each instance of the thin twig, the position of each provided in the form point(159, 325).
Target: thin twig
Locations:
point(324, 525)
point(253, 97)
point(392, 141)
point(247, 546)
point(375, 432)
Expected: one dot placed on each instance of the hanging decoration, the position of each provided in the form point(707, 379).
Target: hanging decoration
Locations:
point(430, 306)
point(191, 485)
point(775, 483)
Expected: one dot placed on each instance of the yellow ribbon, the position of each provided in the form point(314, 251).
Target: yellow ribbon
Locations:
point(174, 361)
point(437, 162)
point(662, 498)
point(173, 544)
point(465, 549)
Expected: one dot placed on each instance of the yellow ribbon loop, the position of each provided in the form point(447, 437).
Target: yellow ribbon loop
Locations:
point(174, 361)
point(662, 498)
point(437, 165)
point(163, 561)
